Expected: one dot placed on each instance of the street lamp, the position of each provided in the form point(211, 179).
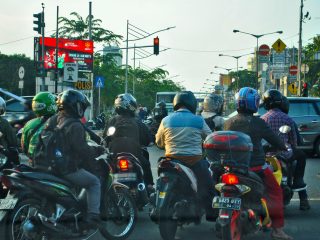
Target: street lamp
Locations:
point(257, 36)
point(237, 58)
point(227, 69)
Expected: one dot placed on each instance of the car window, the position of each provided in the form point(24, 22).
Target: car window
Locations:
point(301, 109)
point(15, 107)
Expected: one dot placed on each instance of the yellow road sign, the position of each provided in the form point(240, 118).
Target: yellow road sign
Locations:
point(279, 46)
point(293, 89)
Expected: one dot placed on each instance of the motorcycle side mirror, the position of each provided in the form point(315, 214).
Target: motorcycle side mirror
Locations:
point(1, 134)
point(111, 131)
point(285, 129)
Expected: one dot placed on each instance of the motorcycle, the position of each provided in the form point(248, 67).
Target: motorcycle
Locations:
point(129, 171)
point(175, 202)
point(98, 123)
point(43, 206)
point(242, 208)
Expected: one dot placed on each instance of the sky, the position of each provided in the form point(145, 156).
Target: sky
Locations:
point(203, 29)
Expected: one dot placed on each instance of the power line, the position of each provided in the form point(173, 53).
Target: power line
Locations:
point(21, 39)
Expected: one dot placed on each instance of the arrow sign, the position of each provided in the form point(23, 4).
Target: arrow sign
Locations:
point(99, 82)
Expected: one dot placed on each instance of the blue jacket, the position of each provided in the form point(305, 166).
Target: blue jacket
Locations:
point(181, 135)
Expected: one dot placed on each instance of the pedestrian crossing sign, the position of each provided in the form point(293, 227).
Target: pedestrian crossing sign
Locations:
point(99, 82)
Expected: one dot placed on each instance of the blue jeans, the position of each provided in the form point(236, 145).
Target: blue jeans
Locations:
point(91, 183)
point(206, 188)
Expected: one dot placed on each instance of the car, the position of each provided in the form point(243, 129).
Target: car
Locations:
point(16, 112)
point(305, 111)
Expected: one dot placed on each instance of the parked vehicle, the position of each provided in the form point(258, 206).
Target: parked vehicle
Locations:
point(305, 112)
point(175, 202)
point(43, 206)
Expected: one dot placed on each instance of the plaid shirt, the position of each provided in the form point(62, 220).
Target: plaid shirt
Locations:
point(275, 118)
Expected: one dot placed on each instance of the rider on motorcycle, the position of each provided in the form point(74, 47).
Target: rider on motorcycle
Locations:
point(247, 100)
point(131, 134)
point(212, 109)
point(277, 115)
point(8, 139)
point(181, 135)
point(71, 106)
point(44, 106)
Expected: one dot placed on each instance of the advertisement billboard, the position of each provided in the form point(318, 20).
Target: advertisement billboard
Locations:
point(69, 51)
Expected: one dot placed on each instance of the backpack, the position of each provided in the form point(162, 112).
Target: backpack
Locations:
point(210, 122)
point(52, 151)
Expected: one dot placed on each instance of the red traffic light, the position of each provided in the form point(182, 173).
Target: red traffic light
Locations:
point(156, 46)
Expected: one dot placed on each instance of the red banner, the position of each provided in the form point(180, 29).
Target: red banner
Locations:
point(80, 51)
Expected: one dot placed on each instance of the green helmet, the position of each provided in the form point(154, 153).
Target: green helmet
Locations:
point(44, 103)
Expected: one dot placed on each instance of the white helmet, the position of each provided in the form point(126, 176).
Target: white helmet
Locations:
point(213, 103)
point(2, 106)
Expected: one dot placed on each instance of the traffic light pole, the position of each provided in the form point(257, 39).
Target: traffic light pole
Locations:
point(42, 49)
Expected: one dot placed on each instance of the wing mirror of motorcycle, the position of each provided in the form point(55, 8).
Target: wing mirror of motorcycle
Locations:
point(111, 131)
point(285, 129)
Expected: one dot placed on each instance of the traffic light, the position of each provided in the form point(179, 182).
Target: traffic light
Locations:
point(305, 90)
point(39, 22)
point(40, 70)
point(156, 46)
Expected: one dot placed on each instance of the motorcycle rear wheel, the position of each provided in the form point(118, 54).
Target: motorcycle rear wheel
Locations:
point(232, 231)
point(121, 212)
point(167, 225)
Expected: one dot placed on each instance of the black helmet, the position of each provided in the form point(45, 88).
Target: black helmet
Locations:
point(185, 99)
point(285, 105)
point(161, 104)
point(272, 99)
point(73, 102)
point(125, 104)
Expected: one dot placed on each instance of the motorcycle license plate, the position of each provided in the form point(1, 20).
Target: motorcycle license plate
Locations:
point(7, 204)
point(227, 203)
point(125, 177)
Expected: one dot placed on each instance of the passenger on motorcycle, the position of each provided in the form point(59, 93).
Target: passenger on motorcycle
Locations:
point(44, 106)
point(131, 134)
point(181, 135)
point(212, 109)
point(247, 100)
point(8, 139)
point(71, 107)
point(277, 115)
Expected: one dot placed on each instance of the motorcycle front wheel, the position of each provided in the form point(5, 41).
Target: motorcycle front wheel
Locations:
point(120, 214)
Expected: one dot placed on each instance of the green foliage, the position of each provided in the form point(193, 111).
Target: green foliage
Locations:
point(146, 83)
point(313, 76)
point(78, 28)
point(246, 79)
point(9, 78)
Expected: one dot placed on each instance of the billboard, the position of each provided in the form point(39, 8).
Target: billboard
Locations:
point(69, 51)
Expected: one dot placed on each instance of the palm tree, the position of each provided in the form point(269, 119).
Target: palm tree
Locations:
point(78, 28)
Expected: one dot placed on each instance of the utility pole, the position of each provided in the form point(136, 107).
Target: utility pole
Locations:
point(57, 50)
point(134, 68)
point(42, 50)
point(300, 49)
point(127, 41)
point(91, 74)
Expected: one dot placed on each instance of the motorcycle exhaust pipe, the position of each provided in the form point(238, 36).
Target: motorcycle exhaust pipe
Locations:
point(143, 193)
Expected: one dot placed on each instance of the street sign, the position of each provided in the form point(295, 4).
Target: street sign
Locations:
point(279, 46)
point(99, 82)
point(264, 50)
point(70, 72)
point(304, 68)
point(20, 84)
point(21, 72)
point(293, 89)
point(264, 59)
point(293, 70)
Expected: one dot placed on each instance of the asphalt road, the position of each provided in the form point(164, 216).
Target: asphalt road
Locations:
point(299, 224)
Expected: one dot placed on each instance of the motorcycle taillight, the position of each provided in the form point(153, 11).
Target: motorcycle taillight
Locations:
point(229, 179)
point(5, 181)
point(123, 164)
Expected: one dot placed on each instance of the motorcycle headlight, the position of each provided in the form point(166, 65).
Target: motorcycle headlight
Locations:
point(3, 159)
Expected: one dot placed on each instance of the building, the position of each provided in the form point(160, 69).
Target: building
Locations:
point(116, 53)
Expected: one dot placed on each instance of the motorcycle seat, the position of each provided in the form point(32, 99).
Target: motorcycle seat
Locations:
point(255, 176)
point(46, 176)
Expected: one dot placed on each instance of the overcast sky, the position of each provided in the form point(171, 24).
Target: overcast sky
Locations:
point(203, 29)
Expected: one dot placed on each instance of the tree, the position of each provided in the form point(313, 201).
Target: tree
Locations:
point(78, 28)
point(9, 78)
point(246, 79)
